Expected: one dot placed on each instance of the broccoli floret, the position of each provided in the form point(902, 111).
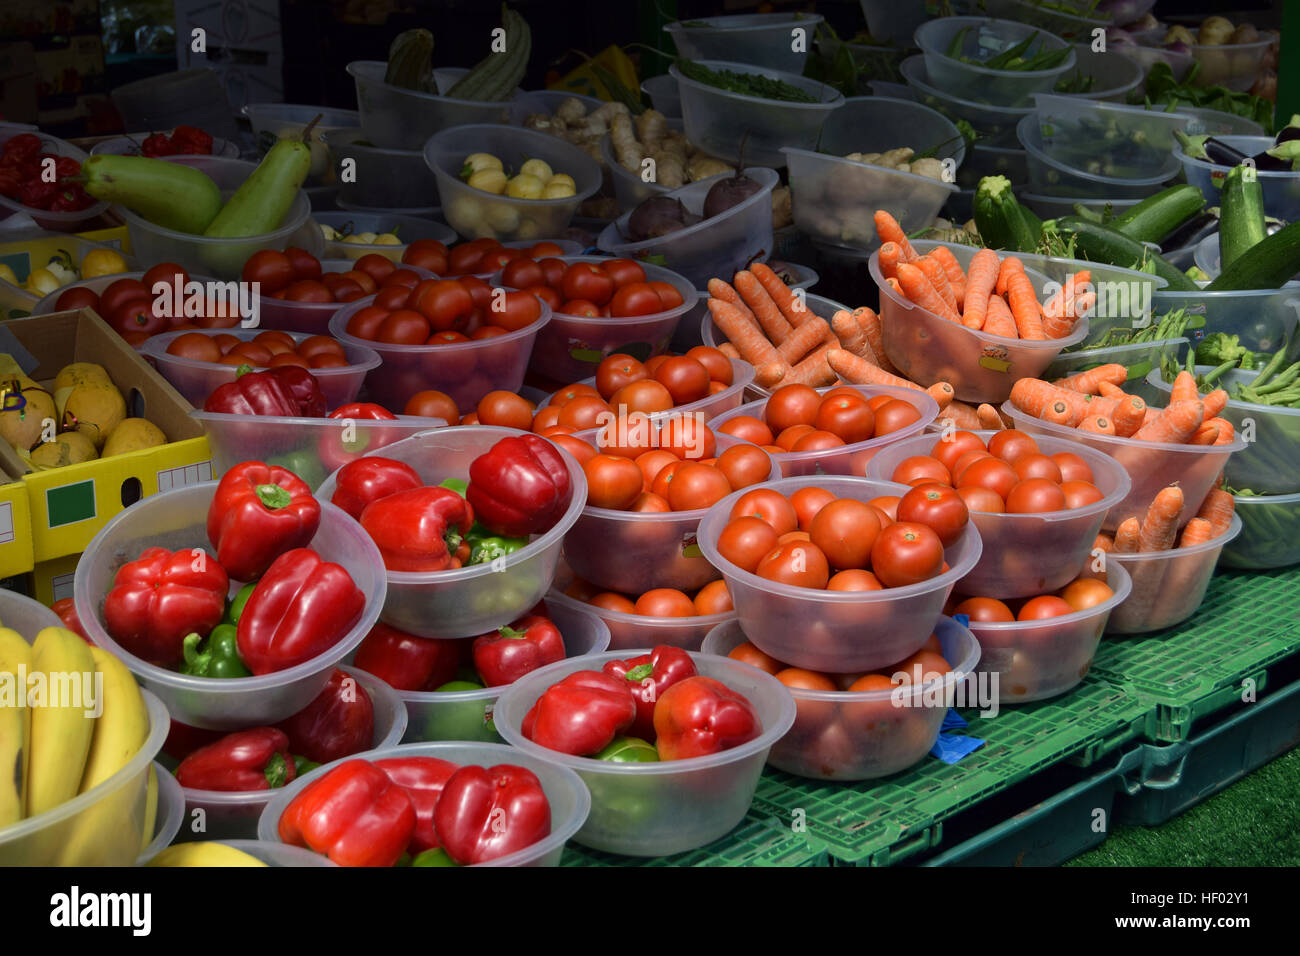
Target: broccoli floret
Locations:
point(1218, 348)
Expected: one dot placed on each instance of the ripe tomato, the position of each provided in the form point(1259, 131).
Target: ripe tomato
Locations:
point(276, 341)
point(649, 503)
point(1009, 444)
point(445, 303)
point(687, 437)
point(789, 437)
point(719, 365)
point(546, 294)
point(817, 441)
point(920, 470)
point(308, 290)
point(543, 418)
point(522, 273)
point(748, 428)
point(747, 653)
point(982, 499)
point(257, 354)
point(846, 416)
point(807, 502)
point(517, 310)
point(939, 508)
point(1073, 467)
point(270, 268)
point(77, 297)
point(195, 346)
point(581, 308)
point(1035, 465)
point(319, 345)
point(393, 297)
point(744, 465)
point(341, 287)
point(1084, 593)
point(1080, 494)
point(432, 403)
point(950, 447)
point(587, 280)
point(403, 327)
point(427, 254)
point(495, 259)
point(921, 667)
point(638, 298)
point(479, 291)
point(545, 248)
point(505, 409)
point(120, 292)
point(629, 436)
point(288, 358)
point(447, 337)
point(645, 396)
point(362, 278)
point(854, 579)
point(669, 297)
point(888, 504)
point(1044, 606)
point(768, 504)
point(799, 563)
point(576, 447)
point(801, 679)
point(686, 379)
point(966, 459)
point(612, 482)
point(991, 473)
point(464, 258)
point(665, 602)
point(584, 411)
point(165, 272)
point(623, 271)
point(792, 405)
point(713, 598)
point(663, 481)
point(405, 278)
point(746, 540)
point(652, 462)
point(612, 601)
point(1035, 496)
point(617, 370)
point(845, 530)
point(906, 553)
point(984, 610)
point(870, 682)
point(327, 360)
point(560, 396)
point(552, 270)
point(893, 415)
point(696, 486)
point(877, 401)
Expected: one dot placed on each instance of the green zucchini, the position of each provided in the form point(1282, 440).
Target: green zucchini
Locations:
point(1268, 264)
point(410, 61)
point(494, 77)
point(1098, 243)
point(1241, 215)
point(1002, 222)
point(170, 195)
point(1157, 216)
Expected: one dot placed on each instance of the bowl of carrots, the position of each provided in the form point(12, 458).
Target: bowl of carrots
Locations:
point(971, 317)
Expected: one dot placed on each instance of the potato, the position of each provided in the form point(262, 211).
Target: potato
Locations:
point(1215, 31)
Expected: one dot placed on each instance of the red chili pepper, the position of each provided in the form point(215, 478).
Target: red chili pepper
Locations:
point(24, 146)
point(647, 677)
point(300, 608)
point(256, 759)
point(423, 779)
point(161, 597)
point(700, 716)
point(406, 662)
point(354, 814)
point(156, 145)
point(287, 391)
point(70, 199)
point(193, 137)
point(259, 512)
point(519, 486)
point(338, 723)
point(366, 480)
point(38, 194)
point(335, 452)
point(486, 813)
point(418, 529)
point(65, 167)
point(11, 182)
point(66, 609)
point(580, 714)
point(508, 653)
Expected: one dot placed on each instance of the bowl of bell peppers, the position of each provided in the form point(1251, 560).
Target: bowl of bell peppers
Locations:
point(431, 804)
point(713, 721)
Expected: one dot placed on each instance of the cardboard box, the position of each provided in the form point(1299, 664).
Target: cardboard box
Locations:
point(52, 580)
point(34, 251)
point(69, 505)
point(16, 555)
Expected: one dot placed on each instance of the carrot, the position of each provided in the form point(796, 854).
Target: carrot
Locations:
point(1058, 310)
point(858, 371)
point(743, 333)
point(1059, 413)
point(979, 286)
point(890, 256)
point(1098, 424)
point(961, 415)
point(893, 284)
point(813, 370)
point(1128, 415)
point(1198, 531)
point(1217, 509)
point(803, 340)
point(875, 333)
point(956, 278)
point(917, 287)
point(1090, 382)
point(1184, 388)
point(1175, 425)
point(1033, 395)
point(1107, 390)
point(792, 306)
point(1160, 526)
point(1024, 306)
point(989, 417)
point(725, 291)
point(1207, 433)
point(1007, 266)
point(888, 229)
point(729, 350)
point(939, 279)
point(769, 374)
point(851, 336)
point(998, 321)
point(1226, 432)
point(1082, 306)
point(1103, 542)
point(774, 324)
point(1215, 402)
point(1158, 532)
point(1126, 536)
point(941, 392)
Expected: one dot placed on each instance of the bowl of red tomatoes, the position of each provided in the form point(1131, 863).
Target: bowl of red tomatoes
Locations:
point(482, 257)
point(835, 430)
point(824, 578)
point(1038, 501)
point(61, 205)
point(862, 726)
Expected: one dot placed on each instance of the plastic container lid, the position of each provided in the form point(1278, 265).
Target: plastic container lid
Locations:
point(763, 39)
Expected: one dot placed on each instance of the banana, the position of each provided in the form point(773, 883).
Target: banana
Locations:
point(15, 725)
point(122, 728)
point(60, 728)
point(203, 854)
point(150, 809)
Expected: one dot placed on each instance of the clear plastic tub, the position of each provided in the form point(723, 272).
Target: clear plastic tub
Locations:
point(835, 631)
point(565, 791)
point(232, 815)
point(877, 66)
point(1168, 586)
point(893, 22)
point(468, 601)
point(1270, 533)
point(130, 145)
point(1148, 56)
point(852, 459)
point(309, 447)
point(384, 178)
point(20, 613)
point(1051, 176)
point(1051, 17)
point(1107, 139)
point(464, 370)
point(663, 94)
point(1218, 123)
point(313, 318)
point(982, 39)
point(1035, 660)
point(1113, 77)
point(407, 228)
point(417, 212)
point(761, 39)
point(1262, 319)
point(719, 121)
point(103, 826)
point(865, 735)
point(1151, 466)
point(1281, 189)
point(47, 219)
point(1026, 554)
point(717, 246)
point(1050, 207)
point(178, 520)
point(395, 118)
point(222, 258)
point(630, 190)
point(197, 380)
point(980, 367)
point(168, 814)
point(195, 96)
point(467, 714)
point(474, 213)
point(1234, 65)
point(993, 161)
point(547, 102)
point(995, 124)
point(272, 122)
point(658, 809)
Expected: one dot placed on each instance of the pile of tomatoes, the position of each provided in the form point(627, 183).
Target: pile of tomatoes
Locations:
point(713, 598)
point(925, 665)
point(1079, 595)
point(23, 179)
point(295, 275)
point(798, 418)
point(267, 349)
point(611, 288)
point(480, 257)
point(131, 308)
point(442, 312)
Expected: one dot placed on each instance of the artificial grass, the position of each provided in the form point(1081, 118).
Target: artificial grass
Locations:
point(1254, 822)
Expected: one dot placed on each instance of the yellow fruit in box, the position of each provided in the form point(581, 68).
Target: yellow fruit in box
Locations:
point(387, 239)
point(95, 410)
point(102, 262)
point(477, 162)
point(69, 448)
point(557, 191)
point(7, 275)
point(77, 373)
point(524, 186)
point(43, 282)
point(538, 169)
point(132, 435)
point(489, 180)
point(26, 410)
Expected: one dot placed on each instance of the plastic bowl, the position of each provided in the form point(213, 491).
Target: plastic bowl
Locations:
point(717, 246)
point(657, 809)
point(1270, 533)
point(996, 124)
point(47, 219)
point(1034, 660)
point(1151, 466)
point(865, 735)
point(1218, 123)
point(1026, 554)
point(49, 303)
point(233, 814)
point(1052, 18)
point(277, 854)
point(981, 367)
point(761, 39)
point(663, 94)
point(383, 177)
point(877, 66)
point(982, 39)
point(1281, 189)
point(1261, 318)
point(719, 121)
point(464, 370)
point(197, 380)
point(1139, 358)
point(893, 22)
point(1234, 65)
point(1049, 175)
point(168, 815)
point(130, 144)
point(396, 118)
point(178, 520)
point(416, 212)
point(407, 228)
point(1113, 77)
point(272, 122)
point(24, 615)
point(535, 102)
point(838, 632)
point(851, 459)
point(468, 601)
point(993, 161)
point(467, 714)
point(1168, 586)
point(1206, 255)
point(313, 318)
point(1107, 139)
point(222, 258)
point(474, 213)
point(103, 826)
point(1050, 207)
point(630, 190)
point(565, 791)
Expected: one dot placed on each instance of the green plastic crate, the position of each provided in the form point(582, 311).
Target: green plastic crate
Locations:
point(758, 841)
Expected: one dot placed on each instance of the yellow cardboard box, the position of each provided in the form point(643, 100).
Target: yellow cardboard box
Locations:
point(52, 580)
point(15, 528)
point(33, 252)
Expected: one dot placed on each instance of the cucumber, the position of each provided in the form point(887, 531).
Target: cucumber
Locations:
point(1241, 215)
point(1157, 216)
point(170, 195)
point(260, 204)
point(1268, 264)
point(1099, 243)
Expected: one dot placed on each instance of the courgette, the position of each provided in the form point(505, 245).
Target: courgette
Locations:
point(1098, 243)
point(410, 61)
point(1157, 216)
point(170, 195)
point(494, 77)
point(1241, 215)
point(1002, 222)
point(1268, 264)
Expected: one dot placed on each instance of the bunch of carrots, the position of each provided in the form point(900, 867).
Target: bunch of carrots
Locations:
point(994, 296)
point(1095, 401)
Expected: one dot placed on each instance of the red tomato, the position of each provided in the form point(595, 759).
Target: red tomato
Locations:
point(984, 610)
point(1035, 496)
point(393, 297)
point(479, 291)
point(305, 265)
point(696, 486)
point(406, 278)
point(445, 303)
point(894, 415)
point(495, 259)
point(665, 602)
point(255, 353)
point(119, 293)
point(1042, 607)
point(518, 310)
point(364, 323)
point(635, 299)
point(505, 409)
point(669, 297)
point(799, 563)
point(807, 502)
point(846, 416)
point(719, 365)
point(789, 437)
point(522, 273)
point(583, 412)
point(991, 473)
point(1009, 444)
point(817, 441)
point(792, 405)
point(276, 340)
point(939, 508)
point(744, 465)
point(610, 601)
point(1035, 465)
point(612, 482)
point(196, 346)
point(645, 396)
point(887, 504)
point(748, 428)
point(686, 379)
point(447, 337)
point(579, 449)
point(854, 579)
point(617, 370)
point(288, 358)
point(342, 288)
point(546, 294)
point(952, 446)
point(270, 268)
point(553, 271)
point(906, 553)
point(964, 460)
point(713, 598)
point(168, 272)
point(664, 479)
point(427, 254)
point(623, 271)
point(77, 297)
point(1080, 494)
point(545, 248)
point(982, 499)
point(560, 396)
point(652, 462)
point(801, 679)
point(376, 266)
point(1084, 593)
point(403, 327)
point(747, 653)
point(845, 530)
point(308, 290)
point(921, 667)
point(768, 504)
point(586, 280)
point(920, 470)
point(1073, 467)
point(327, 360)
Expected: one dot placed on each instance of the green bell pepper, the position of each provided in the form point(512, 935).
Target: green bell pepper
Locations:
point(457, 485)
point(302, 765)
point(305, 464)
point(488, 549)
point(236, 607)
point(220, 658)
point(435, 857)
point(629, 750)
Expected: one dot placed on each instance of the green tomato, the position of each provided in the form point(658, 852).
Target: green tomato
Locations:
point(435, 857)
point(455, 685)
point(629, 750)
point(461, 720)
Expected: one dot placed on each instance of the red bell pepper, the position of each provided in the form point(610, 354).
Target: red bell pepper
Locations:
point(256, 759)
point(423, 779)
point(335, 451)
point(259, 512)
point(418, 529)
point(700, 716)
point(354, 814)
point(66, 609)
point(288, 391)
point(508, 653)
point(519, 486)
point(300, 608)
point(162, 596)
point(367, 480)
point(580, 714)
point(182, 739)
point(647, 677)
point(406, 662)
point(338, 723)
point(486, 813)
